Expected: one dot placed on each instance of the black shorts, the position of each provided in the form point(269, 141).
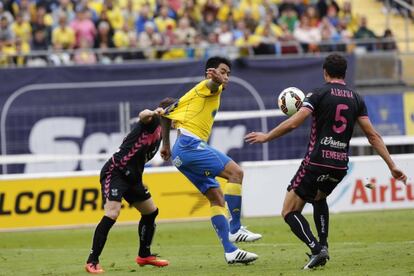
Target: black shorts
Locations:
point(115, 186)
point(309, 179)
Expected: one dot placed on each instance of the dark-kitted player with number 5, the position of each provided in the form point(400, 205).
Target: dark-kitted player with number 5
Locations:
point(334, 108)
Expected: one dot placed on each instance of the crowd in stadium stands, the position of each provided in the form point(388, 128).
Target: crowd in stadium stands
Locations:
point(120, 30)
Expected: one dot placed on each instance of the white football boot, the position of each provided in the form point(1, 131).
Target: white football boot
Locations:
point(244, 235)
point(240, 256)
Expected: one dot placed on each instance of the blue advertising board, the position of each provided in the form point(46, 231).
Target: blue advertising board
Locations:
point(386, 113)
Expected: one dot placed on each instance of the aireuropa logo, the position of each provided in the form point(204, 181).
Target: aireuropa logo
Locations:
point(391, 192)
point(330, 141)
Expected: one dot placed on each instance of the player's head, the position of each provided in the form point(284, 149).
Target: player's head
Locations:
point(222, 64)
point(166, 102)
point(334, 67)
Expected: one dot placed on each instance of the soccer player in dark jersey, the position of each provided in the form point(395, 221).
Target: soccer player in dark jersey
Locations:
point(121, 177)
point(335, 109)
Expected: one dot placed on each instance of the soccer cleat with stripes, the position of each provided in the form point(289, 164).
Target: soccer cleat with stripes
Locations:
point(319, 259)
point(151, 260)
point(240, 256)
point(244, 235)
point(94, 268)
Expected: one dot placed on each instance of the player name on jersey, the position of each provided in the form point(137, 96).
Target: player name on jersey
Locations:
point(342, 93)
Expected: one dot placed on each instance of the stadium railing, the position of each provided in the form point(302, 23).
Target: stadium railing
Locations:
point(280, 48)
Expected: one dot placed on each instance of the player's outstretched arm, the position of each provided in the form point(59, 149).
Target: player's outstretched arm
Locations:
point(377, 143)
point(284, 127)
point(166, 147)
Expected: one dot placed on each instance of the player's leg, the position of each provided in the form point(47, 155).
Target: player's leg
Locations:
point(301, 189)
point(112, 210)
point(233, 196)
point(219, 220)
point(146, 232)
point(321, 217)
point(112, 190)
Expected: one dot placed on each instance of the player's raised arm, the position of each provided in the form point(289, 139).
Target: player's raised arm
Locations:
point(377, 143)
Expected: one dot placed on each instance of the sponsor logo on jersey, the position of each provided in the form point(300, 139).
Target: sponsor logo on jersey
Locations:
point(329, 141)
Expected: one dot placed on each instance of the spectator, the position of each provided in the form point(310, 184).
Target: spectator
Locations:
point(185, 33)
point(289, 17)
point(84, 55)
point(20, 52)
point(63, 36)
point(225, 36)
point(332, 15)
point(129, 14)
point(40, 40)
point(114, 14)
point(83, 27)
point(6, 33)
point(163, 21)
point(274, 29)
point(312, 13)
point(65, 7)
point(25, 8)
point(42, 22)
point(364, 33)
point(148, 39)
point(103, 39)
point(346, 17)
point(192, 11)
point(309, 37)
point(22, 28)
point(209, 24)
point(143, 18)
point(6, 13)
point(388, 43)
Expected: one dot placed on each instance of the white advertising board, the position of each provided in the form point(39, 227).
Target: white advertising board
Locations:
point(265, 186)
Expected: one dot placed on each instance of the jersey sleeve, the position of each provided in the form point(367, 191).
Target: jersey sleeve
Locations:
point(311, 100)
point(362, 110)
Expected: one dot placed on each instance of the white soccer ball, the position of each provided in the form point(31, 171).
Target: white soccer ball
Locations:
point(290, 100)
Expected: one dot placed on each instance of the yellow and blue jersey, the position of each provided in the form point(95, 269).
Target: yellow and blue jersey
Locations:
point(195, 111)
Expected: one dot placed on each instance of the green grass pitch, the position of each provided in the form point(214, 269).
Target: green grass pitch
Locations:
point(374, 243)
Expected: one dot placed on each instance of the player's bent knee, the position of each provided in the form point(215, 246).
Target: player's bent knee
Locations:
point(113, 213)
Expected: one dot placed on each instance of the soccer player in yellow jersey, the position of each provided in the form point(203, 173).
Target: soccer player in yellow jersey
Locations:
point(193, 115)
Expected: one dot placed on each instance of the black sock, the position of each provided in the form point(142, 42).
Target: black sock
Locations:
point(300, 227)
point(146, 230)
point(99, 238)
point(321, 217)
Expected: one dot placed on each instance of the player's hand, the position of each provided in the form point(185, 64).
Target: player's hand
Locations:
point(399, 175)
point(165, 153)
point(256, 137)
point(159, 111)
point(214, 75)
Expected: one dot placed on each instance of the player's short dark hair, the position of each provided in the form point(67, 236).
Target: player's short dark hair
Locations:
point(166, 102)
point(335, 65)
point(214, 62)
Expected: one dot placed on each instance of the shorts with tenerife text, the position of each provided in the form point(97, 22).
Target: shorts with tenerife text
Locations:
point(309, 179)
point(199, 162)
point(116, 185)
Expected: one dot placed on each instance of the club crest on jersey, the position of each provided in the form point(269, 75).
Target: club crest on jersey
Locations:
point(177, 162)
